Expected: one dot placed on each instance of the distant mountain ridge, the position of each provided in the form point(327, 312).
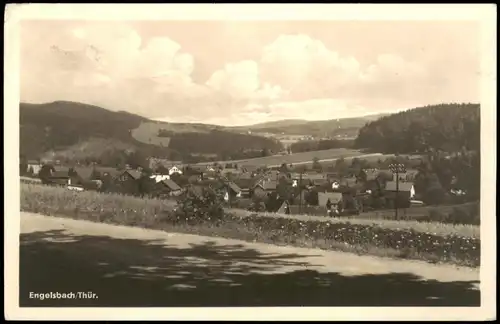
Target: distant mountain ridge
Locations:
point(341, 127)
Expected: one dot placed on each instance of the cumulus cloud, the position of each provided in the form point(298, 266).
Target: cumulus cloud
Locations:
point(295, 76)
point(107, 65)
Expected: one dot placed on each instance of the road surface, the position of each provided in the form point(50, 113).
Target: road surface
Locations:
point(125, 267)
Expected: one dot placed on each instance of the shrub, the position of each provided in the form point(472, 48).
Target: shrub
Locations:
point(468, 214)
point(436, 215)
point(199, 208)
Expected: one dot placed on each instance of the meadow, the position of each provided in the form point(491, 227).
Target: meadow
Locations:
point(298, 158)
point(429, 241)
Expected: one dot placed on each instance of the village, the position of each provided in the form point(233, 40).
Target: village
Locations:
point(287, 190)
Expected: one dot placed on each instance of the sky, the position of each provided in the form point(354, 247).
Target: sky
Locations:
point(244, 72)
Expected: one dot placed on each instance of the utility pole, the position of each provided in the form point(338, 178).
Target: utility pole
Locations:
point(396, 169)
point(300, 193)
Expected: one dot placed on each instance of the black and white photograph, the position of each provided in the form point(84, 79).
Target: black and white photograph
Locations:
point(177, 160)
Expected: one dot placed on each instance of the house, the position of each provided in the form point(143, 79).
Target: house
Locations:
point(264, 187)
point(210, 175)
point(233, 171)
point(128, 182)
point(166, 188)
point(322, 182)
point(155, 162)
point(61, 175)
point(174, 169)
point(251, 169)
point(159, 177)
point(245, 175)
point(246, 186)
point(405, 192)
point(197, 191)
point(100, 173)
point(231, 191)
point(371, 174)
point(34, 167)
point(408, 176)
point(234, 189)
point(83, 173)
point(211, 168)
point(334, 197)
point(348, 182)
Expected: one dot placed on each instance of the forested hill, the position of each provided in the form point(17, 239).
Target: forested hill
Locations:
point(76, 131)
point(60, 124)
point(446, 127)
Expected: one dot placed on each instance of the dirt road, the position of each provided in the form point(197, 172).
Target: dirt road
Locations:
point(126, 266)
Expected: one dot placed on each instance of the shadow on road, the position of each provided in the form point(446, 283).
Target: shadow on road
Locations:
point(141, 273)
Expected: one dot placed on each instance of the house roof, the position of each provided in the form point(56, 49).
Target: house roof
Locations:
point(320, 182)
point(198, 190)
point(60, 174)
point(244, 183)
point(245, 175)
point(410, 174)
point(267, 184)
point(249, 168)
point(335, 197)
point(193, 178)
point(197, 168)
point(314, 176)
point(113, 172)
point(60, 168)
point(83, 172)
point(171, 184)
point(234, 187)
point(403, 186)
point(348, 182)
point(371, 174)
point(134, 173)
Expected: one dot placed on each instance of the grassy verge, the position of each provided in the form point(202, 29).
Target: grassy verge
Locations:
point(433, 242)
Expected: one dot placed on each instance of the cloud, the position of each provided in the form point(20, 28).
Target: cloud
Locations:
point(295, 76)
point(107, 65)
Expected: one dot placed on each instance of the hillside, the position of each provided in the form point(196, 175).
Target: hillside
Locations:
point(446, 127)
point(343, 127)
point(57, 125)
point(63, 128)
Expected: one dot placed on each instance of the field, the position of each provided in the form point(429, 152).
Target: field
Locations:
point(147, 133)
point(422, 213)
point(300, 158)
point(430, 241)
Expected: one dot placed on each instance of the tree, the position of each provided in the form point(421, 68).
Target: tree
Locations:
point(341, 166)
point(23, 165)
point(45, 173)
point(145, 183)
point(284, 168)
point(193, 208)
point(361, 176)
point(137, 159)
point(316, 165)
point(284, 190)
point(161, 169)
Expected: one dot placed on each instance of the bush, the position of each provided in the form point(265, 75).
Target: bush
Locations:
point(436, 215)
point(465, 215)
point(199, 208)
